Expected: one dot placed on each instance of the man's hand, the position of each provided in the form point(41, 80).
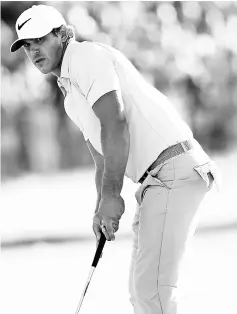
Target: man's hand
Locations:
point(107, 218)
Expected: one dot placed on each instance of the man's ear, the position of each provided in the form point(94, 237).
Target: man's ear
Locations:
point(63, 33)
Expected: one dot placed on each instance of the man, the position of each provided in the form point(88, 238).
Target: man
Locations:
point(131, 129)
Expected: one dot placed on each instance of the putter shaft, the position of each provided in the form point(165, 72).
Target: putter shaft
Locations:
point(85, 289)
point(93, 266)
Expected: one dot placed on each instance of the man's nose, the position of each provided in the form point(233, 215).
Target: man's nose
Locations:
point(34, 50)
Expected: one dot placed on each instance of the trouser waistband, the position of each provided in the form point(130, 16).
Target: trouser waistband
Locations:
point(168, 153)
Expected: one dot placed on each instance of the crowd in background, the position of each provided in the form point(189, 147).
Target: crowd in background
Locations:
point(187, 50)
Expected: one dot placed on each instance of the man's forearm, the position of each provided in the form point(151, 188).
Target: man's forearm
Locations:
point(115, 146)
point(98, 182)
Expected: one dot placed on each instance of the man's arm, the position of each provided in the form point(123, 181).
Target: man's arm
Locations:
point(115, 147)
point(99, 170)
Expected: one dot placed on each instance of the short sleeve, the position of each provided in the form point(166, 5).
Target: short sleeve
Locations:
point(94, 72)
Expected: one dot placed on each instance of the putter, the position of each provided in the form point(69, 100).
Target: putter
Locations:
point(93, 266)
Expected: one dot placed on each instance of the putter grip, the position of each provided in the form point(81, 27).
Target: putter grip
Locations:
point(99, 250)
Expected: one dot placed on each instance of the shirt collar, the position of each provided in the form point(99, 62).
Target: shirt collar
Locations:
point(64, 74)
point(65, 63)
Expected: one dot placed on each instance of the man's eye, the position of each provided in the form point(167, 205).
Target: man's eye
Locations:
point(26, 45)
point(39, 39)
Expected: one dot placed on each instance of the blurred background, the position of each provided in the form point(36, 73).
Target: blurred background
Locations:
point(187, 50)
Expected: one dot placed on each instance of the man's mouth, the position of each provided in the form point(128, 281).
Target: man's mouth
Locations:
point(39, 60)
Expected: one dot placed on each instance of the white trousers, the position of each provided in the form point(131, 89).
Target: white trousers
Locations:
point(168, 201)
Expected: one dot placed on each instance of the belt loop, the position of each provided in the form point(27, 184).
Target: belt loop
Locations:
point(183, 145)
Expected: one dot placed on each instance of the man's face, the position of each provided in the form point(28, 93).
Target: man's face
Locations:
point(45, 52)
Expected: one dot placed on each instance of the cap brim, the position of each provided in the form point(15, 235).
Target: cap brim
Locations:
point(19, 42)
point(16, 45)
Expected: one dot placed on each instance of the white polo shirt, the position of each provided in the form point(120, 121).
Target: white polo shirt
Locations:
point(90, 70)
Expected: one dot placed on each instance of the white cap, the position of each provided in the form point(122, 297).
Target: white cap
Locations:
point(36, 22)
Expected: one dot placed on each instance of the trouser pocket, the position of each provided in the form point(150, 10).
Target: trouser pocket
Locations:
point(210, 173)
point(149, 182)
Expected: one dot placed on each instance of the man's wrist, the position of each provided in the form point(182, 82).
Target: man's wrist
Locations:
point(107, 195)
point(97, 203)
point(112, 185)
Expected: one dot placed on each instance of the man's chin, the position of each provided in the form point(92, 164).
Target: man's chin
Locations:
point(42, 67)
point(43, 70)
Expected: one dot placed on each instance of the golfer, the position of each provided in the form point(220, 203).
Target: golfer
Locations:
point(132, 130)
